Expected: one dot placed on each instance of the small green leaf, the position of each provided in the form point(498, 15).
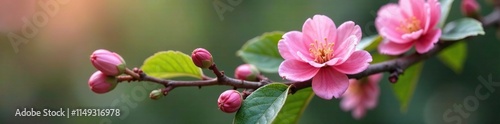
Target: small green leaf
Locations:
point(406, 85)
point(369, 43)
point(445, 10)
point(462, 28)
point(170, 64)
point(294, 107)
point(262, 51)
point(263, 105)
point(454, 56)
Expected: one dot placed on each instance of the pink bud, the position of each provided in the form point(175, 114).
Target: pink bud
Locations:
point(108, 62)
point(101, 83)
point(469, 7)
point(230, 101)
point(202, 58)
point(246, 72)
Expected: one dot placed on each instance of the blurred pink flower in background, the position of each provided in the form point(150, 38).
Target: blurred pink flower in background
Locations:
point(411, 22)
point(324, 53)
point(361, 95)
point(12, 13)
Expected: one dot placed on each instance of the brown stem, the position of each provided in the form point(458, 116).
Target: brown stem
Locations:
point(394, 65)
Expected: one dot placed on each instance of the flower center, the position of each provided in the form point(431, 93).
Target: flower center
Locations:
point(321, 51)
point(410, 25)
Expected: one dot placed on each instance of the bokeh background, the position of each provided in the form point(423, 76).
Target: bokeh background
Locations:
point(51, 69)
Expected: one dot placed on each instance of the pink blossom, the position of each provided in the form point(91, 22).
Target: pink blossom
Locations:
point(108, 62)
point(324, 53)
point(361, 95)
point(411, 22)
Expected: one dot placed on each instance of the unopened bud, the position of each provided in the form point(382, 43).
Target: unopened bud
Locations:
point(202, 58)
point(156, 94)
point(108, 62)
point(230, 101)
point(246, 72)
point(470, 8)
point(101, 83)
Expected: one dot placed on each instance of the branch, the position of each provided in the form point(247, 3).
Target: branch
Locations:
point(395, 66)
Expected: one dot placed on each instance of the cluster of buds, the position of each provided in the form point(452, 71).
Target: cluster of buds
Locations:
point(229, 101)
point(109, 65)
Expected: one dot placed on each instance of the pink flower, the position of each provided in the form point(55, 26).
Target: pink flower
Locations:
point(361, 95)
point(101, 83)
point(108, 62)
point(230, 101)
point(469, 7)
point(324, 53)
point(411, 22)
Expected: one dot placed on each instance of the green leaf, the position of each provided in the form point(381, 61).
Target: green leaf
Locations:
point(263, 105)
point(170, 64)
point(406, 85)
point(454, 56)
point(369, 43)
point(294, 107)
point(445, 10)
point(462, 28)
point(262, 51)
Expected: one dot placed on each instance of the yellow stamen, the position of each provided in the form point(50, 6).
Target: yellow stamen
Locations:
point(410, 25)
point(321, 51)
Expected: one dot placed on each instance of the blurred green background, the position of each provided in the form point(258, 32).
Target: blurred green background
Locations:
point(51, 69)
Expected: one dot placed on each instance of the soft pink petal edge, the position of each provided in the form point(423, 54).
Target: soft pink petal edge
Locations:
point(329, 83)
point(296, 70)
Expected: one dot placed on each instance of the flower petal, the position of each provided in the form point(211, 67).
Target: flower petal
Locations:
point(290, 44)
point(329, 83)
point(435, 13)
point(296, 70)
point(359, 112)
point(345, 49)
point(413, 35)
point(358, 62)
point(348, 101)
point(412, 8)
point(318, 28)
point(425, 43)
point(391, 48)
point(347, 29)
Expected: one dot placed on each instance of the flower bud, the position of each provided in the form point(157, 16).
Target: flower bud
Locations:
point(470, 8)
point(246, 72)
point(202, 58)
point(230, 101)
point(101, 83)
point(156, 94)
point(108, 62)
